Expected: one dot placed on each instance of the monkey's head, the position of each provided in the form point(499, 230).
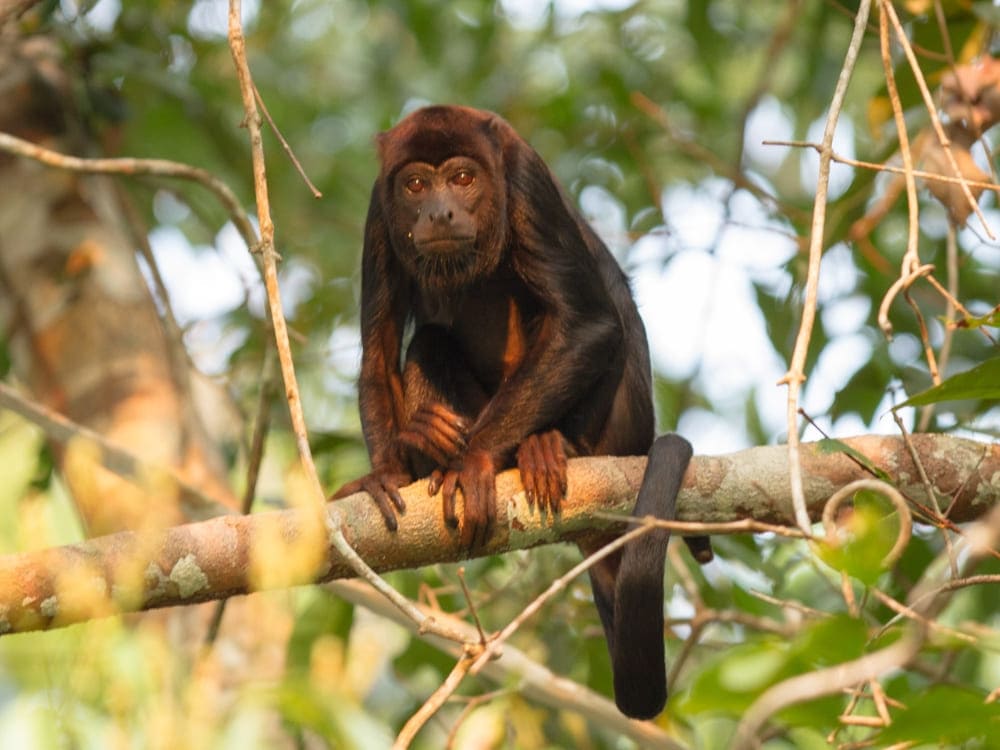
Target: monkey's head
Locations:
point(443, 191)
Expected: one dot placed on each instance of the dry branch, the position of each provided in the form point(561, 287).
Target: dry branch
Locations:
point(133, 571)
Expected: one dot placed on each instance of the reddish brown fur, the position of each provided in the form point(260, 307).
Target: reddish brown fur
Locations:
point(526, 347)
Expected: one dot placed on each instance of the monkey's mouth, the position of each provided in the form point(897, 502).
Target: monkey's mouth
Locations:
point(445, 245)
point(448, 264)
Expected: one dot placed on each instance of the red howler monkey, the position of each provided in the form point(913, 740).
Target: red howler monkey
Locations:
point(525, 346)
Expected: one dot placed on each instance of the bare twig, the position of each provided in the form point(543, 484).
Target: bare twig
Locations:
point(902, 610)
point(911, 258)
point(929, 488)
point(707, 528)
point(876, 167)
point(284, 145)
point(533, 681)
point(951, 296)
point(925, 93)
point(472, 606)
point(796, 371)
point(431, 706)
point(493, 647)
point(903, 282)
point(925, 338)
point(137, 167)
point(269, 257)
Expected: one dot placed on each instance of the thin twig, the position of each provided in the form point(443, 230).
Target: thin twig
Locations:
point(951, 294)
point(706, 528)
point(284, 145)
point(493, 647)
point(431, 706)
point(876, 167)
point(903, 282)
point(138, 167)
point(327, 514)
point(902, 610)
point(911, 258)
point(925, 93)
point(928, 488)
point(925, 338)
point(796, 371)
point(788, 604)
point(472, 605)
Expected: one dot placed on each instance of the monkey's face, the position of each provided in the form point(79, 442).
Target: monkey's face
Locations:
point(444, 216)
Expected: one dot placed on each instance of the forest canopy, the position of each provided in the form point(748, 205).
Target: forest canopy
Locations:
point(803, 195)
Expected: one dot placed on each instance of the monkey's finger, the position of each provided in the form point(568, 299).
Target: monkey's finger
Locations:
point(448, 487)
point(472, 512)
point(347, 489)
point(434, 481)
point(487, 511)
point(388, 516)
point(527, 468)
point(555, 465)
point(382, 502)
point(396, 497)
point(385, 493)
point(419, 440)
point(530, 481)
point(446, 415)
point(449, 428)
point(434, 436)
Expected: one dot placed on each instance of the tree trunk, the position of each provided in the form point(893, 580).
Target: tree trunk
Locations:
point(83, 331)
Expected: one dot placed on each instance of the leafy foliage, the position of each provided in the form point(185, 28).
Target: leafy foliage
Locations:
point(156, 80)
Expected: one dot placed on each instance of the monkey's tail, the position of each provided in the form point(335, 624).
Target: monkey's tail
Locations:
point(637, 652)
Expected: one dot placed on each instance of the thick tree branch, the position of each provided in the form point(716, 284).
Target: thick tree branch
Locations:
point(129, 572)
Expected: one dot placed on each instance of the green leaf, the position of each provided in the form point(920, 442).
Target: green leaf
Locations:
point(831, 445)
point(735, 678)
point(873, 527)
point(946, 715)
point(981, 382)
point(991, 319)
point(323, 615)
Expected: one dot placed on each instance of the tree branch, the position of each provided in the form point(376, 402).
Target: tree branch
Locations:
point(129, 571)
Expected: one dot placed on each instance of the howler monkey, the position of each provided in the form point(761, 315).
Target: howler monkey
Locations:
point(524, 347)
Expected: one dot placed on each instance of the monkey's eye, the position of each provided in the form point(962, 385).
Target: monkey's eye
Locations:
point(463, 178)
point(415, 184)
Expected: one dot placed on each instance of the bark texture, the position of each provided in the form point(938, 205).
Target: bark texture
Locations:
point(131, 571)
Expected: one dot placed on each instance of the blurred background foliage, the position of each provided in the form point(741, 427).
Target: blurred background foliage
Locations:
point(652, 115)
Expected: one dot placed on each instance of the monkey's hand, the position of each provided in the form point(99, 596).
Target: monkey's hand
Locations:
point(475, 476)
point(383, 486)
point(438, 433)
point(541, 459)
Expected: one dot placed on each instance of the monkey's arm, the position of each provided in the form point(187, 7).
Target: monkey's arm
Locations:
point(380, 388)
